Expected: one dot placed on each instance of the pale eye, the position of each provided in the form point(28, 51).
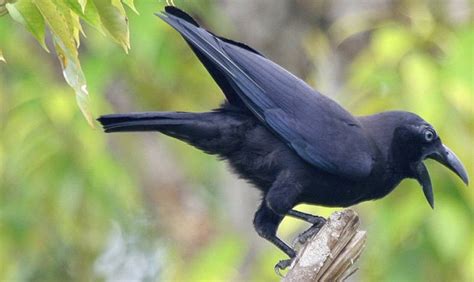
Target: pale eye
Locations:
point(429, 135)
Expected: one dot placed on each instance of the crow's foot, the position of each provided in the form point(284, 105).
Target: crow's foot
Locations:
point(282, 265)
point(308, 233)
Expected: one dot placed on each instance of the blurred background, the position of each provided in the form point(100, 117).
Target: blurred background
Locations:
point(78, 204)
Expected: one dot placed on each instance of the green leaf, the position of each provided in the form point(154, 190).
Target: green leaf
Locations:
point(63, 20)
point(59, 26)
point(76, 28)
point(89, 14)
point(119, 6)
point(72, 20)
point(57, 17)
point(75, 78)
point(115, 21)
point(131, 5)
point(26, 13)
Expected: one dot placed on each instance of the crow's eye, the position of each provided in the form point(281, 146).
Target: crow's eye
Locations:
point(429, 135)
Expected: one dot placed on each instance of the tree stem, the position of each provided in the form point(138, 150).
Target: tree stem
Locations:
point(330, 254)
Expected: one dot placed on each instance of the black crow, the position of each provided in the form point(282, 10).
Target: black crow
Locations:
point(288, 140)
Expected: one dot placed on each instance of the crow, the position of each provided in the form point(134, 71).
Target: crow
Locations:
point(291, 142)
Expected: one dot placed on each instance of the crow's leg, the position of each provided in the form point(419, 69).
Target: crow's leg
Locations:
point(317, 222)
point(266, 224)
point(281, 198)
point(314, 219)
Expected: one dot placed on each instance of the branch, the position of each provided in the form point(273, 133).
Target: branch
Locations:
point(330, 254)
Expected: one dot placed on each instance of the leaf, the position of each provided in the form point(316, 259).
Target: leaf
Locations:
point(75, 78)
point(89, 14)
point(131, 5)
point(119, 6)
point(26, 13)
point(63, 20)
point(83, 4)
point(59, 26)
point(115, 21)
point(56, 15)
point(76, 28)
point(2, 59)
point(71, 19)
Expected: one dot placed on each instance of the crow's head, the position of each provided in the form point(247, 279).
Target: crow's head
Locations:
point(413, 141)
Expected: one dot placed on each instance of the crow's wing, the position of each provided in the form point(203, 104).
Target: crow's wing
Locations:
point(219, 77)
point(317, 128)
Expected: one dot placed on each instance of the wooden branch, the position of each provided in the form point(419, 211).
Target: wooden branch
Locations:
point(330, 254)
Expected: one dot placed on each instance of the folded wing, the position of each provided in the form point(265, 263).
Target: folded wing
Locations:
point(317, 128)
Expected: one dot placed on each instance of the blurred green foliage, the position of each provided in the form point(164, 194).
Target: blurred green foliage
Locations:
point(64, 187)
point(63, 20)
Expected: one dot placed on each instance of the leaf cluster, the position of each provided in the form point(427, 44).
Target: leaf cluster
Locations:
point(63, 19)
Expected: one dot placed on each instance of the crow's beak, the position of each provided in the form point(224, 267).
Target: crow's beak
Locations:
point(422, 176)
point(445, 156)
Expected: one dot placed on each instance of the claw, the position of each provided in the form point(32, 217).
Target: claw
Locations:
point(282, 265)
point(308, 233)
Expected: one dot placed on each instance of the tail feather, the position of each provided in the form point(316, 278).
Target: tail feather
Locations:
point(149, 121)
point(216, 132)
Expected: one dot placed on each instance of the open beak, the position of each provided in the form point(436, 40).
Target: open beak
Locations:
point(446, 157)
point(422, 176)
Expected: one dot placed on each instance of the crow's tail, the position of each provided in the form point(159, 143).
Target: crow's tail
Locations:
point(214, 132)
point(148, 121)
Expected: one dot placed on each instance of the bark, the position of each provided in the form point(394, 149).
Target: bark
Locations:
point(331, 253)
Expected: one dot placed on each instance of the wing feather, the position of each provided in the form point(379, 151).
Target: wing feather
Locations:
point(319, 130)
